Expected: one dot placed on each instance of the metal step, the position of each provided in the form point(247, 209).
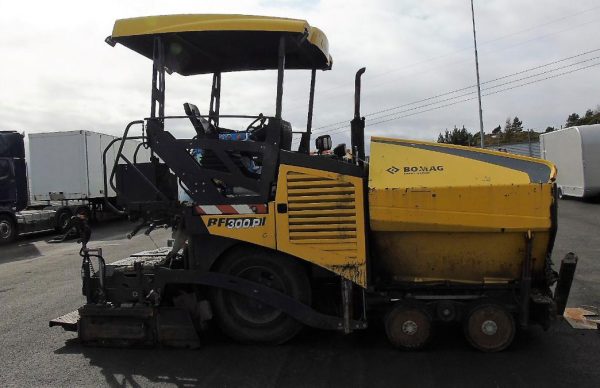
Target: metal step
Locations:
point(67, 321)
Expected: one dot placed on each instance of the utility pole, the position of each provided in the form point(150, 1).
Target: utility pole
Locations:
point(477, 71)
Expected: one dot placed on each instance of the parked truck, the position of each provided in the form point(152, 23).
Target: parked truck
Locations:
point(275, 237)
point(64, 177)
point(576, 153)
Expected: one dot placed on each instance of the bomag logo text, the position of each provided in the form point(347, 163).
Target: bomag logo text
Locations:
point(422, 169)
point(237, 223)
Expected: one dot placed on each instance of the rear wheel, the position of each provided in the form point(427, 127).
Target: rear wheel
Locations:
point(247, 319)
point(408, 327)
point(8, 229)
point(489, 327)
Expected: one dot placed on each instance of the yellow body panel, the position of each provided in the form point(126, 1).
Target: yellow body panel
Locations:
point(467, 209)
point(257, 229)
point(440, 165)
point(457, 214)
point(460, 257)
point(324, 223)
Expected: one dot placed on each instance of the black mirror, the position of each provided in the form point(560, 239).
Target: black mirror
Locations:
point(323, 143)
point(340, 150)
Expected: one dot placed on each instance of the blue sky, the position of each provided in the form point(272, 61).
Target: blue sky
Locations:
point(58, 74)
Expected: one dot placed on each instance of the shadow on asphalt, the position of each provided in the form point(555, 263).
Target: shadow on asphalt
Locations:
point(26, 247)
point(560, 357)
point(18, 251)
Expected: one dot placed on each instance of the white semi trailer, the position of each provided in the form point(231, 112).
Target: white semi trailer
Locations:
point(576, 153)
point(63, 176)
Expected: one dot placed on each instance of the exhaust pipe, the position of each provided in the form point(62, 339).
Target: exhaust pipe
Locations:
point(357, 125)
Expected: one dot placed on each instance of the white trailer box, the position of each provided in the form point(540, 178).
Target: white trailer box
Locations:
point(576, 153)
point(68, 165)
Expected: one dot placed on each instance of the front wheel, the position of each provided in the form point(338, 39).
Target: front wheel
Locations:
point(8, 229)
point(62, 220)
point(249, 320)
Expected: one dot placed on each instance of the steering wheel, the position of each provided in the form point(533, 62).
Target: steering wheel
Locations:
point(256, 128)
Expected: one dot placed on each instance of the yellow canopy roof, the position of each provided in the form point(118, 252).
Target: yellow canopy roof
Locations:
point(197, 44)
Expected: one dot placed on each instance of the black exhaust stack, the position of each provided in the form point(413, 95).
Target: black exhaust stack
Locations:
point(357, 125)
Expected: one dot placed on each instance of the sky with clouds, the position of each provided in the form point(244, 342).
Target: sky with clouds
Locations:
point(58, 74)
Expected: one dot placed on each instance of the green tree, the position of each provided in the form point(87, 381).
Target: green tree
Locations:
point(497, 130)
point(550, 129)
point(456, 136)
point(572, 120)
point(590, 117)
point(508, 130)
point(517, 125)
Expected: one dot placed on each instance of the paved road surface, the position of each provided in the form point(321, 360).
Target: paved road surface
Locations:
point(39, 281)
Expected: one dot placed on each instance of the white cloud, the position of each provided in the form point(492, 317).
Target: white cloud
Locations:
point(56, 72)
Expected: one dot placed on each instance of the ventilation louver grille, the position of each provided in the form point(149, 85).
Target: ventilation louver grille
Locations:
point(322, 213)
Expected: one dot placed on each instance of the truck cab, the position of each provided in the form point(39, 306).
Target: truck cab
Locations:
point(13, 182)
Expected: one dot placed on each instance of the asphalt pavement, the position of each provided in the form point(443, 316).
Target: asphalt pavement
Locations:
point(39, 281)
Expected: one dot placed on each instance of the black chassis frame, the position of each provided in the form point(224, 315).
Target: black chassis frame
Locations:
point(134, 289)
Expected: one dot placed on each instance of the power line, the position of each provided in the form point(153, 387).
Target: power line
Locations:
point(503, 37)
point(343, 128)
point(432, 59)
point(469, 87)
point(493, 87)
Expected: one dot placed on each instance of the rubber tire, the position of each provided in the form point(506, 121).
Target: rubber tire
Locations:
point(295, 282)
point(393, 322)
point(4, 218)
point(511, 327)
point(59, 220)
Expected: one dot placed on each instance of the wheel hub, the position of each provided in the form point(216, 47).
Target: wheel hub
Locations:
point(410, 327)
point(489, 327)
point(250, 309)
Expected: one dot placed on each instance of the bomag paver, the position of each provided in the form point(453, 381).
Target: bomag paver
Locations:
point(271, 238)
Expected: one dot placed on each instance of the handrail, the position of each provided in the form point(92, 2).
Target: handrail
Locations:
point(119, 155)
point(137, 148)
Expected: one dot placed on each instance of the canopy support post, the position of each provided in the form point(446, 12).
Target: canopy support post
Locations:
point(305, 140)
point(215, 99)
point(158, 80)
point(280, 68)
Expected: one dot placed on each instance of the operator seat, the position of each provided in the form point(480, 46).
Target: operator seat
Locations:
point(286, 135)
point(201, 125)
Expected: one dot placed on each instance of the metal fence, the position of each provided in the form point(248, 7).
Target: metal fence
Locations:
point(525, 148)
